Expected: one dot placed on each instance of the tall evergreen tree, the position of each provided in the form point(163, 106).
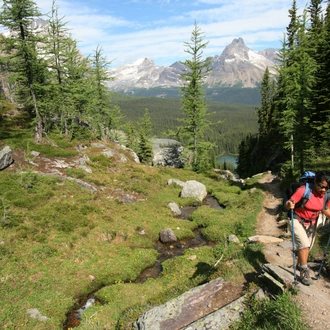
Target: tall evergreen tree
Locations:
point(323, 125)
point(77, 89)
point(318, 34)
point(144, 147)
point(293, 25)
point(55, 50)
point(28, 69)
point(296, 117)
point(104, 114)
point(265, 111)
point(192, 96)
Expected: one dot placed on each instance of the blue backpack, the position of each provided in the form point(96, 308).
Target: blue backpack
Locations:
point(307, 180)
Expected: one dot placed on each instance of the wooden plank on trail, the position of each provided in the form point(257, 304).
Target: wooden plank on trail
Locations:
point(279, 277)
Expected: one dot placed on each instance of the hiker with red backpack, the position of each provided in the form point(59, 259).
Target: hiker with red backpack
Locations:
point(305, 216)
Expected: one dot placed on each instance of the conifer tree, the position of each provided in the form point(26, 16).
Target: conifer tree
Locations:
point(131, 136)
point(145, 148)
point(77, 89)
point(293, 25)
point(318, 34)
point(297, 76)
point(323, 124)
point(104, 115)
point(57, 39)
point(28, 70)
point(192, 97)
point(265, 111)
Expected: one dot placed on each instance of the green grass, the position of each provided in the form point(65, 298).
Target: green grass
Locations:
point(55, 235)
point(280, 313)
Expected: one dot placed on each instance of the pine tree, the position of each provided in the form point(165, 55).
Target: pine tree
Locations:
point(54, 49)
point(192, 97)
point(77, 91)
point(28, 70)
point(265, 111)
point(318, 34)
point(131, 136)
point(104, 115)
point(297, 82)
point(293, 25)
point(144, 147)
point(323, 125)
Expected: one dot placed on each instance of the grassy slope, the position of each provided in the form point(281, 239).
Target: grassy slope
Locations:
point(55, 234)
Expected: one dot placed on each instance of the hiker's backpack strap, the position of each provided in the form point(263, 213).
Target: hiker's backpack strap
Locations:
point(307, 194)
point(326, 199)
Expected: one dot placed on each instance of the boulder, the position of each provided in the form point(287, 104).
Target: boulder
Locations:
point(167, 236)
point(5, 157)
point(223, 318)
point(167, 152)
point(174, 208)
point(193, 188)
point(186, 311)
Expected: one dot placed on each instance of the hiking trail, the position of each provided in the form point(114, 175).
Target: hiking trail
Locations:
point(314, 299)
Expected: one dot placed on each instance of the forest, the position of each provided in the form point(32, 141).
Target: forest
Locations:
point(237, 120)
point(220, 94)
point(294, 116)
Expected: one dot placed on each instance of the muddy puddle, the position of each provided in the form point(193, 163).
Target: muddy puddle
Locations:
point(166, 251)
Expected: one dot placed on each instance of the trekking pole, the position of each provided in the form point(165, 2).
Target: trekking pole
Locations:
point(323, 260)
point(293, 249)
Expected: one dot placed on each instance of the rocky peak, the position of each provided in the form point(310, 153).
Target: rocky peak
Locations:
point(270, 53)
point(237, 65)
point(235, 49)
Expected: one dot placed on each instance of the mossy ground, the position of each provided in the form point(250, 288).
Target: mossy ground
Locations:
point(61, 242)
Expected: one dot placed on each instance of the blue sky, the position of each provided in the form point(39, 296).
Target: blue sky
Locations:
point(130, 29)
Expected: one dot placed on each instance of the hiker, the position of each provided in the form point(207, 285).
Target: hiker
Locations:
point(305, 219)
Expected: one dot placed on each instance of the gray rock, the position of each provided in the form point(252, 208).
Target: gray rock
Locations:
point(85, 168)
point(223, 318)
point(167, 152)
point(35, 314)
point(183, 312)
point(193, 188)
point(131, 153)
point(264, 239)
point(114, 153)
point(174, 208)
point(176, 181)
point(167, 236)
point(5, 157)
point(35, 153)
point(233, 238)
point(108, 153)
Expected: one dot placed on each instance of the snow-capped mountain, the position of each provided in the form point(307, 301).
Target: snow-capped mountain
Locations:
point(237, 65)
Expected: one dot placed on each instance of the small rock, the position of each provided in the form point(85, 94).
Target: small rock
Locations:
point(167, 236)
point(233, 238)
point(264, 239)
point(35, 314)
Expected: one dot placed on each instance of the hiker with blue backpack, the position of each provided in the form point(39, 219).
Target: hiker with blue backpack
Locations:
point(307, 203)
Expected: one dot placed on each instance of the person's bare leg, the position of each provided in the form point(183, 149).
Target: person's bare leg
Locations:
point(303, 256)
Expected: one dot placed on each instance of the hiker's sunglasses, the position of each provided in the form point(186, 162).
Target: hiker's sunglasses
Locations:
point(322, 187)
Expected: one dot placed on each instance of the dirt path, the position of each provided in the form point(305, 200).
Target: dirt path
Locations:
point(314, 299)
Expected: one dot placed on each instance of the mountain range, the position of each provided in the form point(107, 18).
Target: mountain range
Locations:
point(237, 65)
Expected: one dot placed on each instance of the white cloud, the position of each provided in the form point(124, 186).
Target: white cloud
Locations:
point(166, 24)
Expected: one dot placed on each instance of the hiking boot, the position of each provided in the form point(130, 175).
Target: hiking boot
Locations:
point(305, 276)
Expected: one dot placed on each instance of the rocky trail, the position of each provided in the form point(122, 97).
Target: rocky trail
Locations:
point(314, 299)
